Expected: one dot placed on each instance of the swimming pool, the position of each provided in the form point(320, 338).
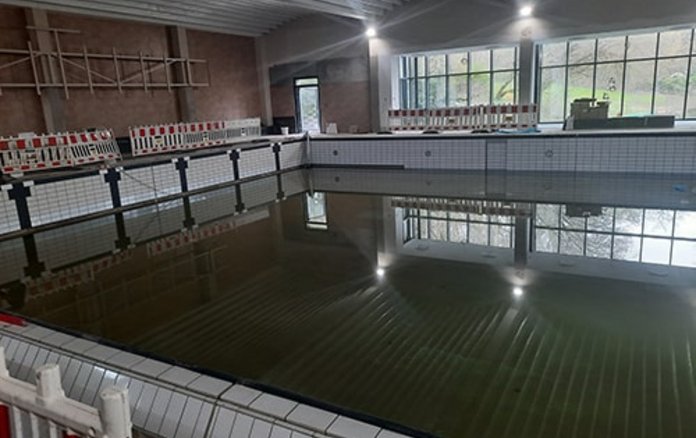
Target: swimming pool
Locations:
point(457, 304)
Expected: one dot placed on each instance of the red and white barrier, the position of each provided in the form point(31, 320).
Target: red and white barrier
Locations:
point(482, 117)
point(149, 140)
point(28, 411)
point(28, 153)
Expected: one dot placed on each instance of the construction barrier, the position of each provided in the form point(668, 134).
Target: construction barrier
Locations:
point(475, 118)
point(28, 411)
point(31, 152)
point(148, 140)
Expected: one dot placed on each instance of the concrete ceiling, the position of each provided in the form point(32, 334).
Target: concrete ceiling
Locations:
point(240, 17)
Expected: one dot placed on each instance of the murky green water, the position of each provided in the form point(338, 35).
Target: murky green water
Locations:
point(453, 311)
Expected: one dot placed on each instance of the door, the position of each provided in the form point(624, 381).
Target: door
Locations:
point(307, 104)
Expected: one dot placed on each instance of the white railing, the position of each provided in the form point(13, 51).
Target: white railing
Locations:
point(26, 153)
point(475, 118)
point(158, 139)
point(28, 411)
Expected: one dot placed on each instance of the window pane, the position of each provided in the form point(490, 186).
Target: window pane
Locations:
point(685, 224)
point(457, 231)
point(603, 222)
point(458, 62)
point(611, 49)
point(553, 54)
point(436, 65)
point(572, 223)
point(572, 242)
point(420, 95)
point(629, 220)
point(656, 251)
point(609, 84)
point(438, 230)
point(671, 86)
point(436, 92)
point(642, 46)
point(501, 236)
point(411, 98)
point(580, 81)
point(481, 60)
point(408, 67)
point(306, 81)
point(626, 248)
point(691, 103)
point(639, 83)
point(503, 87)
point(547, 215)
point(675, 42)
point(420, 64)
point(478, 234)
point(581, 52)
point(504, 59)
point(598, 245)
point(480, 89)
point(546, 241)
point(684, 253)
point(458, 91)
point(552, 91)
point(658, 222)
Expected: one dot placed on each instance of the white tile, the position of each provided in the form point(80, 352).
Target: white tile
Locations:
point(125, 359)
point(389, 434)
point(260, 429)
point(309, 416)
point(101, 352)
point(209, 386)
point(38, 333)
point(241, 395)
point(160, 407)
point(274, 405)
point(173, 415)
point(179, 376)
point(242, 426)
point(224, 421)
point(280, 432)
point(58, 339)
point(79, 345)
point(349, 428)
point(151, 367)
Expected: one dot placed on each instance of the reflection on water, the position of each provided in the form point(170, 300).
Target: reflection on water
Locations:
point(458, 314)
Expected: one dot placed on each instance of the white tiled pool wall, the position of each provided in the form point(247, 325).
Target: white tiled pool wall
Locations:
point(654, 191)
point(168, 400)
point(619, 153)
point(57, 199)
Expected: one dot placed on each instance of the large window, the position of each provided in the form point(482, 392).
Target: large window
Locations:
point(665, 237)
point(639, 74)
point(459, 227)
point(463, 78)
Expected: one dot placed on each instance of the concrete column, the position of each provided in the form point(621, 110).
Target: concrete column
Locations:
point(178, 44)
point(380, 83)
point(527, 75)
point(52, 99)
point(264, 79)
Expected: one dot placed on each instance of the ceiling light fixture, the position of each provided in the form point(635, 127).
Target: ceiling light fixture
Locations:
point(371, 32)
point(526, 11)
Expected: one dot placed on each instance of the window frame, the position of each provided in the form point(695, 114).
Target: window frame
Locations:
point(625, 61)
point(410, 68)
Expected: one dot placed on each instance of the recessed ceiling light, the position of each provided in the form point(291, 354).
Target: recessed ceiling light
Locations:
point(517, 291)
point(526, 11)
point(380, 272)
point(371, 32)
